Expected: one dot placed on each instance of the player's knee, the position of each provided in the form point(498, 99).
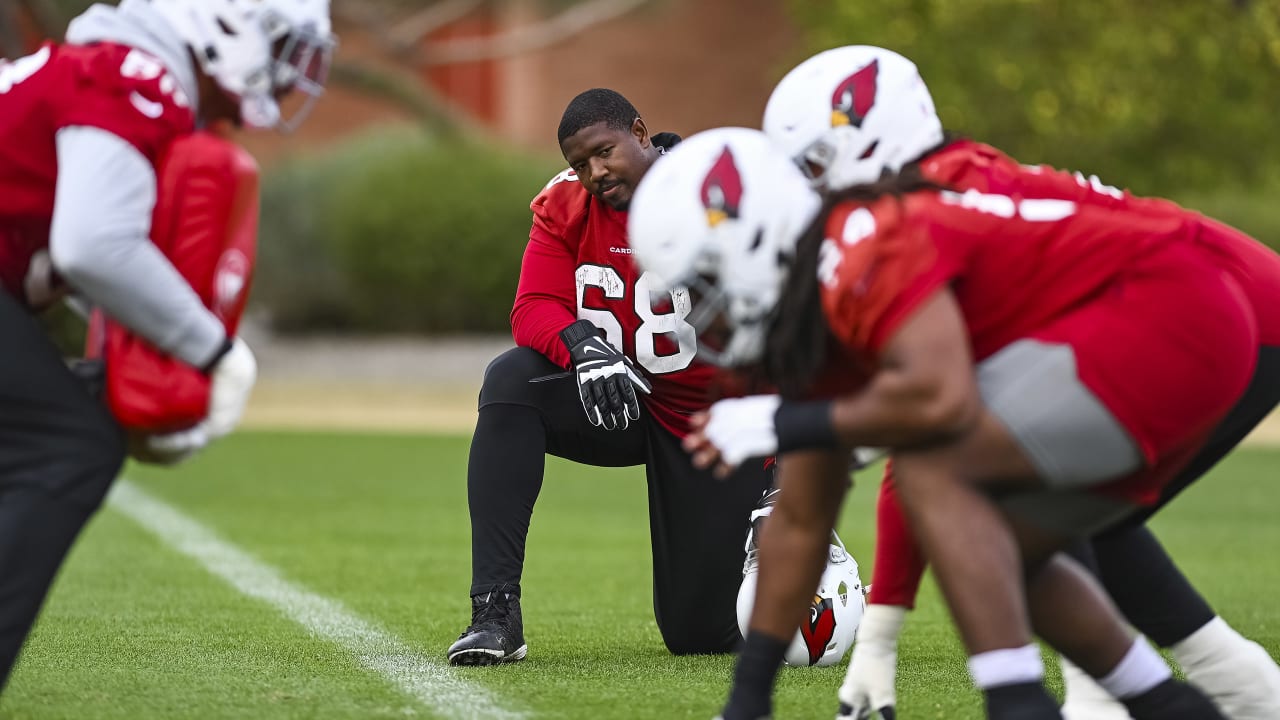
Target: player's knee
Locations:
point(506, 379)
point(701, 634)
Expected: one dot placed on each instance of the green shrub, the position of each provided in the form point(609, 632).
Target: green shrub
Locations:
point(397, 232)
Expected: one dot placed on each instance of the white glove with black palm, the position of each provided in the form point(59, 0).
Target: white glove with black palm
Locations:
point(607, 379)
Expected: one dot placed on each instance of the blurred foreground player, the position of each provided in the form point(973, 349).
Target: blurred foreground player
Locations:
point(83, 128)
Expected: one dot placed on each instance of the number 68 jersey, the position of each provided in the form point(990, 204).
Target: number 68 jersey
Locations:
point(108, 86)
point(578, 265)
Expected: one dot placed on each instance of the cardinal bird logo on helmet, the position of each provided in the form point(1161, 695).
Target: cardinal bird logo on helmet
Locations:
point(820, 628)
point(722, 189)
point(854, 96)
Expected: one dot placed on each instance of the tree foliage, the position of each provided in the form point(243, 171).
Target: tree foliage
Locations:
point(1159, 96)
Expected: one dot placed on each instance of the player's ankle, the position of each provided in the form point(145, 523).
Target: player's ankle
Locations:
point(1140, 670)
point(754, 676)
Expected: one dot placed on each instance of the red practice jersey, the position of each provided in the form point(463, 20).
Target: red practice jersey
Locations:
point(1043, 275)
point(113, 87)
point(578, 265)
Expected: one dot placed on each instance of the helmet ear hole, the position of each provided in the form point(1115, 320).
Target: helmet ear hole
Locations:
point(871, 149)
point(757, 240)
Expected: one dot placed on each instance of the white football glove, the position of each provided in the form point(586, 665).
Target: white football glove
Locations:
point(868, 684)
point(741, 428)
point(231, 381)
point(170, 448)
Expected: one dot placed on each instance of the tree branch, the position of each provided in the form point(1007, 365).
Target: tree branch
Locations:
point(410, 31)
point(526, 39)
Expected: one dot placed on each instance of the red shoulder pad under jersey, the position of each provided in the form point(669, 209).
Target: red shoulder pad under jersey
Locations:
point(561, 207)
point(206, 223)
point(875, 268)
point(126, 92)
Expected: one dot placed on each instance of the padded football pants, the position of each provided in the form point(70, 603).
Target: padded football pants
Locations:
point(1136, 571)
point(697, 524)
point(59, 452)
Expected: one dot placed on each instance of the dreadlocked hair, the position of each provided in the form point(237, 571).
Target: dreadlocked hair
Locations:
point(796, 346)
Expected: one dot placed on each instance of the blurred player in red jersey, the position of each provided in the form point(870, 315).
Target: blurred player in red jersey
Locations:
point(83, 127)
point(999, 345)
point(603, 374)
point(845, 115)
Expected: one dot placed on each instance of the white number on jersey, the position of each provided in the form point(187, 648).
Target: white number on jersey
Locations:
point(1003, 206)
point(610, 283)
point(12, 73)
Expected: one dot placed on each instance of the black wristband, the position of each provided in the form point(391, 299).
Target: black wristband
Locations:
point(803, 425)
point(223, 349)
point(577, 332)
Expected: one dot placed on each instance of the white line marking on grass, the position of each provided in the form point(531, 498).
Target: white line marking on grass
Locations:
point(431, 682)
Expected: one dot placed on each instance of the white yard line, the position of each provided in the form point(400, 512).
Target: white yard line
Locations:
point(428, 681)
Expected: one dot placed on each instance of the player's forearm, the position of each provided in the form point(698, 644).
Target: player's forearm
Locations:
point(537, 325)
point(901, 409)
point(99, 244)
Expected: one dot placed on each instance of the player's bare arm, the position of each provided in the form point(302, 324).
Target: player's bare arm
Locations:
point(924, 392)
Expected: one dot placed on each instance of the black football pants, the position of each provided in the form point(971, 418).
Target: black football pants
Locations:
point(697, 524)
point(59, 452)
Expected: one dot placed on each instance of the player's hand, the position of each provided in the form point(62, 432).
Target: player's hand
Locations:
point(732, 431)
point(868, 689)
point(607, 379)
point(169, 448)
point(231, 381)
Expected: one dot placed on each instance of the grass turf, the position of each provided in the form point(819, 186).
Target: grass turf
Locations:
point(135, 630)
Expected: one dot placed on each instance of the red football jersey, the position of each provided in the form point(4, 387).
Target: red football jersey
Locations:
point(968, 165)
point(1014, 261)
point(578, 265)
point(113, 87)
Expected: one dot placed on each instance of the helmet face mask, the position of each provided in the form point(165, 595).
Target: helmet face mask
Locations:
point(258, 51)
point(721, 214)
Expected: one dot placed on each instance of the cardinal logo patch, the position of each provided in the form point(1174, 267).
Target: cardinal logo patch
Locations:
point(820, 628)
point(854, 96)
point(722, 189)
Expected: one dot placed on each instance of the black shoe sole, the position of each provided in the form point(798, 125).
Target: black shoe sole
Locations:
point(476, 657)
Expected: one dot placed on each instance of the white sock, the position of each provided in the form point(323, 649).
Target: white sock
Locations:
point(1012, 666)
point(1141, 669)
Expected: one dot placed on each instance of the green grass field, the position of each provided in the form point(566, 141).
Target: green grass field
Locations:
point(136, 629)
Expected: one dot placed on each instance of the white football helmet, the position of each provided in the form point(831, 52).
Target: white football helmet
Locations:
point(826, 635)
point(258, 50)
point(720, 214)
point(849, 114)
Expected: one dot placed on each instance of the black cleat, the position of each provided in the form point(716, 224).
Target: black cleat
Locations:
point(496, 633)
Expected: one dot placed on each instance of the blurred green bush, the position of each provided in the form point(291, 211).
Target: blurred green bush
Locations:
point(1160, 97)
point(397, 232)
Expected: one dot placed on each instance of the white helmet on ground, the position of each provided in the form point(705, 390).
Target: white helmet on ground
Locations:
point(256, 50)
point(826, 635)
point(721, 213)
point(849, 114)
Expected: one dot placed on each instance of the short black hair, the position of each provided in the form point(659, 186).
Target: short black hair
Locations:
point(594, 106)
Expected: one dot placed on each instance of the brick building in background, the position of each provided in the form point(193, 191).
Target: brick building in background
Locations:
point(688, 65)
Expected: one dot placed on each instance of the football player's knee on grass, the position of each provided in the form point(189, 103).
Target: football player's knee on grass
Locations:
point(700, 633)
point(709, 645)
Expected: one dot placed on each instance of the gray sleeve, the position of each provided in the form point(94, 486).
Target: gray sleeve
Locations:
point(100, 244)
